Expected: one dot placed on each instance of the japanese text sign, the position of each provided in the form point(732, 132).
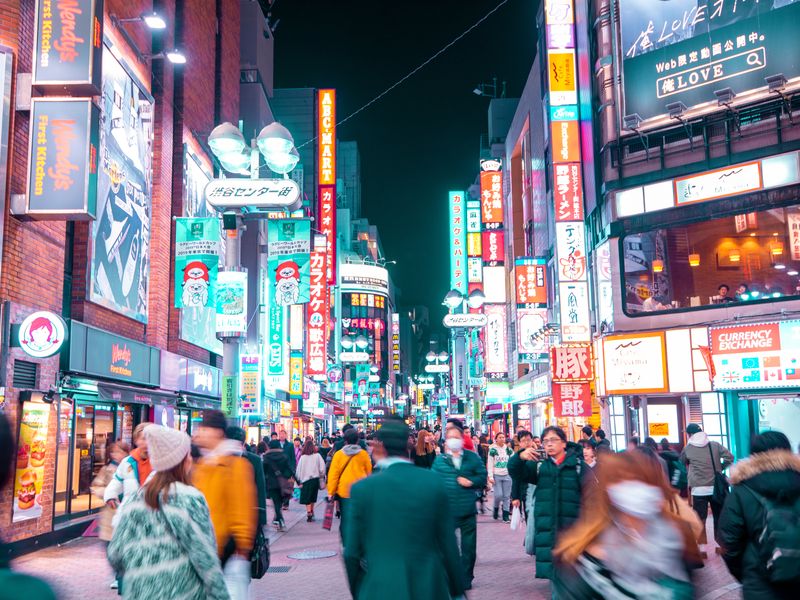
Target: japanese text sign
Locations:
point(317, 317)
point(571, 245)
point(566, 141)
point(496, 357)
point(492, 197)
point(571, 362)
point(296, 373)
point(568, 192)
point(493, 247)
point(458, 242)
point(326, 221)
point(530, 280)
point(574, 311)
point(326, 131)
point(572, 400)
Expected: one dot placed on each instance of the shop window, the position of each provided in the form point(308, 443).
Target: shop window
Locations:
point(782, 414)
point(616, 410)
point(742, 259)
point(715, 420)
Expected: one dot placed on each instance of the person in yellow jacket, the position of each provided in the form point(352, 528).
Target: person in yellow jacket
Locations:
point(349, 465)
point(227, 481)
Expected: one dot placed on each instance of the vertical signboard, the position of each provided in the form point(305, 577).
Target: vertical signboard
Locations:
point(296, 373)
point(492, 198)
point(62, 163)
point(458, 242)
point(317, 312)
point(68, 44)
point(196, 262)
point(231, 303)
point(530, 284)
point(326, 175)
point(120, 238)
point(530, 276)
point(250, 384)
point(229, 399)
point(288, 251)
point(31, 457)
point(276, 339)
point(395, 343)
point(571, 272)
point(496, 357)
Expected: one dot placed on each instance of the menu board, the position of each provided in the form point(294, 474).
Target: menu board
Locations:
point(31, 457)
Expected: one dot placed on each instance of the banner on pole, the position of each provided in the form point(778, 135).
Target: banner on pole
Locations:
point(288, 250)
point(196, 262)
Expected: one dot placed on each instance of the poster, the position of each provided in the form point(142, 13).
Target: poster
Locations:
point(231, 302)
point(31, 457)
point(288, 251)
point(635, 363)
point(120, 237)
point(196, 262)
point(197, 322)
point(531, 343)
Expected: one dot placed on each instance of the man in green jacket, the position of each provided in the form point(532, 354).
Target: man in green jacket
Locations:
point(559, 487)
point(464, 476)
point(400, 539)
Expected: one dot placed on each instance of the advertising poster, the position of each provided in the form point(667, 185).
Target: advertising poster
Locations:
point(31, 456)
point(289, 262)
point(120, 237)
point(275, 361)
point(684, 50)
point(231, 302)
point(531, 321)
point(198, 322)
point(196, 262)
point(495, 332)
point(250, 383)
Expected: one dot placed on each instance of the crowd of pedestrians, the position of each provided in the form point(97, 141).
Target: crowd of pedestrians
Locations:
point(186, 518)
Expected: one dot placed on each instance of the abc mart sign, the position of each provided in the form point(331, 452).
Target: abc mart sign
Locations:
point(465, 321)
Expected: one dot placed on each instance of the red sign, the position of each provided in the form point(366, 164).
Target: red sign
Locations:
point(531, 283)
point(566, 141)
point(568, 192)
point(571, 363)
point(326, 144)
point(741, 339)
point(572, 399)
point(492, 197)
point(326, 221)
point(317, 312)
point(493, 246)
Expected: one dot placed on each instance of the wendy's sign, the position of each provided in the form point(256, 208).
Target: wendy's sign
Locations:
point(68, 45)
point(62, 164)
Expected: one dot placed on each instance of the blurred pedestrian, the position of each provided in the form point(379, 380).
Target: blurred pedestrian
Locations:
point(630, 544)
point(384, 553)
point(600, 438)
point(759, 528)
point(650, 443)
point(116, 452)
point(278, 475)
point(519, 488)
point(132, 472)
point(425, 451)
point(559, 490)
point(164, 545)
point(499, 479)
point(463, 474)
point(704, 458)
point(676, 470)
point(237, 434)
point(349, 465)
point(633, 444)
point(227, 481)
point(298, 450)
point(310, 476)
point(261, 448)
point(325, 448)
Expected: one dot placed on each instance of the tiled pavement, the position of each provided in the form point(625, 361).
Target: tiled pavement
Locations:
point(79, 570)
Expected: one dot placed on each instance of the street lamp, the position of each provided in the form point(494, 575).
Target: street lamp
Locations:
point(361, 342)
point(347, 342)
point(476, 299)
point(443, 356)
point(431, 356)
point(453, 299)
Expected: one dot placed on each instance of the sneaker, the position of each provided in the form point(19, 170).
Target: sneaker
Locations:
point(114, 585)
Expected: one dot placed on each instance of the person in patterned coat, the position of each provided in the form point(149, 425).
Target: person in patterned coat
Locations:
point(164, 545)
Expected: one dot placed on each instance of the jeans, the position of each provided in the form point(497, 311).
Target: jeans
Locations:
point(277, 502)
point(468, 528)
point(502, 491)
point(700, 505)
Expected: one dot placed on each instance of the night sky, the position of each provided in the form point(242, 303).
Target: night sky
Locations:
point(423, 138)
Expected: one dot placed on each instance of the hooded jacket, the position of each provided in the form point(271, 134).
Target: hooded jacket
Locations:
point(348, 466)
point(776, 476)
point(698, 459)
point(276, 464)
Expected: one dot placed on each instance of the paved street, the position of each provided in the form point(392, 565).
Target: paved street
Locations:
point(79, 570)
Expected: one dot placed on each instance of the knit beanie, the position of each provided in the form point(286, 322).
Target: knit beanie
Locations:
point(166, 447)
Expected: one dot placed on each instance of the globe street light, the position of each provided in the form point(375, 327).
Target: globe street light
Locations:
point(431, 356)
point(347, 343)
point(476, 299)
point(453, 299)
point(362, 342)
point(274, 142)
point(443, 356)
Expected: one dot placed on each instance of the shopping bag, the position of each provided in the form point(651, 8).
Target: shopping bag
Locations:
point(516, 517)
point(296, 494)
point(327, 521)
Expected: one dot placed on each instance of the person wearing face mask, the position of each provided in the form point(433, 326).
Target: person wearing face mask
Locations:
point(632, 544)
point(463, 475)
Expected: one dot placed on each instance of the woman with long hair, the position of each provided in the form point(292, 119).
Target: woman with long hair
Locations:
point(425, 452)
point(164, 544)
point(632, 543)
point(310, 474)
point(325, 448)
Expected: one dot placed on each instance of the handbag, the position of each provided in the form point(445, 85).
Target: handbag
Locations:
point(327, 521)
point(259, 557)
point(721, 486)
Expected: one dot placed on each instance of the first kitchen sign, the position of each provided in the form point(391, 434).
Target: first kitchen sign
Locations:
point(68, 45)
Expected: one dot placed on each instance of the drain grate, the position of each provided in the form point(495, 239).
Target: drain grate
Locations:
point(280, 569)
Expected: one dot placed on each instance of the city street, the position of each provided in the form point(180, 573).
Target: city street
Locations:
point(79, 570)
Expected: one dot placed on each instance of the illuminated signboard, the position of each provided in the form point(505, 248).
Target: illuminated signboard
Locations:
point(635, 363)
point(530, 280)
point(296, 373)
point(496, 357)
point(474, 270)
point(719, 183)
point(326, 175)
point(571, 245)
point(474, 246)
point(531, 321)
point(574, 311)
point(565, 140)
point(357, 277)
point(571, 362)
point(458, 243)
point(683, 51)
point(492, 198)
point(317, 317)
point(250, 383)
point(572, 399)
point(473, 216)
point(756, 356)
point(563, 82)
point(493, 247)
point(568, 192)
point(396, 342)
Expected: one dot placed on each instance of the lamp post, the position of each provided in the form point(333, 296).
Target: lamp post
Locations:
point(227, 143)
point(454, 299)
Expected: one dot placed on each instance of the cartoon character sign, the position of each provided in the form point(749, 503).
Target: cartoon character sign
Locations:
point(287, 283)
point(195, 284)
point(42, 334)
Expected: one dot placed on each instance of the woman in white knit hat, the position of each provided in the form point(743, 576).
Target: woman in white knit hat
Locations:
point(164, 545)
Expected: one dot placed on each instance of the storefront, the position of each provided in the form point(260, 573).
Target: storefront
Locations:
point(541, 402)
point(196, 388)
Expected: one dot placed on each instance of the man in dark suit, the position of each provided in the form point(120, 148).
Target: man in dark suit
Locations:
point(386, 555)
point(288, 449)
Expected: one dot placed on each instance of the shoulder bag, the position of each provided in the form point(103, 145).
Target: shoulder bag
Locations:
point(721, 486)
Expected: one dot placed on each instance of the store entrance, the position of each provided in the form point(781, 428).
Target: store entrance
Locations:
point(665, 420)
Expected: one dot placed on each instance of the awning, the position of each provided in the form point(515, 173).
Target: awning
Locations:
point(111, 392)
point(202, 402)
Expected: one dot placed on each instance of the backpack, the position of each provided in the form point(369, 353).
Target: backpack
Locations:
point(779, 539)
point(678, 475)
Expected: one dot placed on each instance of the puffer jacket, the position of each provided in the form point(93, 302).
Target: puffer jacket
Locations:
point(170, 552)
point(776, 476)
point(462, 499)
point(697, 457)
point(349, 465)
point(559, 489)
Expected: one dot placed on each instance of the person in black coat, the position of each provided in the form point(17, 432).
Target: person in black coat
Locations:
point(425, 450)
point(276, 469)
point(772, 473)
point(237, 433)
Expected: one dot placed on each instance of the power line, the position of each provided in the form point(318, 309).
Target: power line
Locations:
point(415, 70)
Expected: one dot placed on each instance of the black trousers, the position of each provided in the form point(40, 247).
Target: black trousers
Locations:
point(701, 504)
point(468, 527)
point(277, 501)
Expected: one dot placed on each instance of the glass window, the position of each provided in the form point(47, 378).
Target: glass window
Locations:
point(736, 259)
point(715, 421)
point(780, 414)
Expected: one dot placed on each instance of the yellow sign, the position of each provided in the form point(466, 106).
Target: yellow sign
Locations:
point(658, 429)
point(562, 71)
point(296, 375)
